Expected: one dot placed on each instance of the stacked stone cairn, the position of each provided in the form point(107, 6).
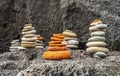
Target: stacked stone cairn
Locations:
point(56, 50)
point(39, 42)
point(14, 45)
point(29, 36)
point(96, 44)
point(70, 39)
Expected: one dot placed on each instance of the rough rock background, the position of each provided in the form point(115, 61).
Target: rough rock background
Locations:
point(13, 62)
point(54, 16)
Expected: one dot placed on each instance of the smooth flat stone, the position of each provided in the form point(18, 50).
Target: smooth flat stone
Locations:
point(101, 26)
point(95, 23)
point(92, 50)
point(24, 30)
point(100, 55)
point(96, 44)
point(56, 55)
point(39, 44)
point(28, 42)
point(14, 42)
point(28, 45)
point(73, 42)
point(94, 28)
point(20, 48)
point(39, 47)
point(98, 33)
point(69, 34)
point(13, 49)
point(64, 42)
point(72, 46)
point(28, 35)
point(97, 38)
point(29, 39)
point(27, 27)
point(69, 38)
point(29, 32)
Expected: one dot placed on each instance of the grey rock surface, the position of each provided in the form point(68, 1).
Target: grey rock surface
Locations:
point(54, 16)
point(13, 62)
point(30, 62)
point(109, 66)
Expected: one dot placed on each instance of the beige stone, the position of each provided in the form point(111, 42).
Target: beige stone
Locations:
point(69, 38)
point(27, 27)
point(69, 34)
point(24, 30)
point(29, 32)
point(73, 42)
point(29, 39)
point(94, 28)
point(96, 38)
point(95, 23)
point(72, 46)
point(28, 35)
point(23, 42)
point(92, 50)
point(94, 44)
point(28, 45)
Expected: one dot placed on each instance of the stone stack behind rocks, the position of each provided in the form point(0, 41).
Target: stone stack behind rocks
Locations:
point(70, 39)
point(39, 42)
point(56, 50)
point(97, 41)
point(14, 45)
point(29, 39)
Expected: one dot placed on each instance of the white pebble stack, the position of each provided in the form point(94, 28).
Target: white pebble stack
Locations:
point(70, 39)
point(97, 41)
point(39, 43)
point(29, 39)
point(14, 45)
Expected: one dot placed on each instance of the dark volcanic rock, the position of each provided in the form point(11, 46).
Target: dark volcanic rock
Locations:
point(8, 66)
point(78, 14)
point(79, 67)
point(7, 28)
point(54, 16)
point(13, 62)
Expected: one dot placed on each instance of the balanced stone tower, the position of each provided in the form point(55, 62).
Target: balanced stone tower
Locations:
point(39, 42)
point(70, 39)
point(97, 41)
point(56, 50)
point(29, 36)
point(14, 45)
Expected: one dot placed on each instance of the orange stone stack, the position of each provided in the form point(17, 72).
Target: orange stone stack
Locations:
point(56, 50)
